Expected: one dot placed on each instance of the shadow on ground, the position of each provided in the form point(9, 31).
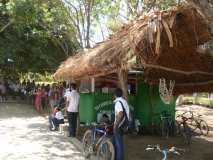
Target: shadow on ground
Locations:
point(200, 149)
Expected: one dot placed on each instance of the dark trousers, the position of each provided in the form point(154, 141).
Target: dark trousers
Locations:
point(72, 120)
point(54, 122)
point(118, 145)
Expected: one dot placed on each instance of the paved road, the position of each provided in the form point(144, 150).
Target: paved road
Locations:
point(24, 135)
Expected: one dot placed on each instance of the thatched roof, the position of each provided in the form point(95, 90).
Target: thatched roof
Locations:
point(163, 44)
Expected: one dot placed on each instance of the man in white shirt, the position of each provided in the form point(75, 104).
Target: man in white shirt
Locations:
point(121, 112)
point(72, 102)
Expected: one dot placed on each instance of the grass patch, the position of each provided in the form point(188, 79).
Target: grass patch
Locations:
point(198, 101)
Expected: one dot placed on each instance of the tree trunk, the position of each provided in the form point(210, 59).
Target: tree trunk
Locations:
point(122, 76)
point(88, 14)
point(205, 7)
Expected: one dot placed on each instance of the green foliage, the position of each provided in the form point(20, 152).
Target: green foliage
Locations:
point(160, 4)
point(39, 37)
point(120, 11)
point(45, 77)
point(38, 34)
point(114, 25)
point(204, 101)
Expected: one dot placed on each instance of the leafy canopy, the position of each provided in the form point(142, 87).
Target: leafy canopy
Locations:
point(38, 35)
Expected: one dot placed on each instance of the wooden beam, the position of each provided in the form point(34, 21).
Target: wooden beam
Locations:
point(195, 83)
point(177, 70)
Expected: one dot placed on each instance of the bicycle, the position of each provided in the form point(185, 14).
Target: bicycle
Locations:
point(102, 147)
point(165, 152)
point(166, 124)
point(197, 123)
point(183, 129)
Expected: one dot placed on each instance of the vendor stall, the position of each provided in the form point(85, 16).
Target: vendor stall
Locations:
point(152, 59)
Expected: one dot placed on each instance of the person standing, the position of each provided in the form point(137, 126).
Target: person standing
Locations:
point(3, 92)
point(38, 95)
point(72, 102)
point(121, 113)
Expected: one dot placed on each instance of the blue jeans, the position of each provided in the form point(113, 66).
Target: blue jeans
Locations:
point(118, 145)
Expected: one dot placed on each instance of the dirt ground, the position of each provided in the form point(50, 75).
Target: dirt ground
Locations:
point(200, 149)
point(24, 135)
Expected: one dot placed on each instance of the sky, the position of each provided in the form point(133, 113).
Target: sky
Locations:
point(100, 31)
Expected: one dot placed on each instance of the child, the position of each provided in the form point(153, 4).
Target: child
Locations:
point(55, 119)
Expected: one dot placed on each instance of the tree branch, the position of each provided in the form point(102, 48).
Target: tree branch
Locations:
point(177, 70)
point(6, 26)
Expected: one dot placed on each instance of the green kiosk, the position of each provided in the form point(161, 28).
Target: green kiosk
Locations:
point(144, 105)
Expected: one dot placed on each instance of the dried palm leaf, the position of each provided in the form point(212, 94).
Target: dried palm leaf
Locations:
point(168, 32)
point(157, 44)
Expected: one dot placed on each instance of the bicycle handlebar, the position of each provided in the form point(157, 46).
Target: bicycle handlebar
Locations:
point(173, 149)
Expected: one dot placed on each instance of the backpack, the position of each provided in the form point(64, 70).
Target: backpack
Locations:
point(124, 125)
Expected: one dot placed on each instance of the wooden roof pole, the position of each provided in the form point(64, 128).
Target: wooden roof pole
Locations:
point(93, 85)
point(122, 77)
point(176, 70)
point(78, 83)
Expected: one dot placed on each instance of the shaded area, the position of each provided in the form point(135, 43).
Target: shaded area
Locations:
point(200, 149)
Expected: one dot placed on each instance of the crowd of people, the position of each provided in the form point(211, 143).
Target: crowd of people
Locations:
point(13, 89)
point(43, 97)
point(53, 98)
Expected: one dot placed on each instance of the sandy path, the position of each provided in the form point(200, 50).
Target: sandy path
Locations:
point(24, 135)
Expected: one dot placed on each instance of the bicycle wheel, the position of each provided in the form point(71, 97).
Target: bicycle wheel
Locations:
point(177, 129)
point(204, 128)
point(87, 143)
point(187, 133)
point(193, 124)
point(106, 150)
point(165, 128)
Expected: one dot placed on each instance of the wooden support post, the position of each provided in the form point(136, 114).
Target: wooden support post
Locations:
point(123, 77)
point(93, 85)
point(78, 83)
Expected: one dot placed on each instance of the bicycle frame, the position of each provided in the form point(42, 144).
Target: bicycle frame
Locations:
point(165, 122)
point(95, 130)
